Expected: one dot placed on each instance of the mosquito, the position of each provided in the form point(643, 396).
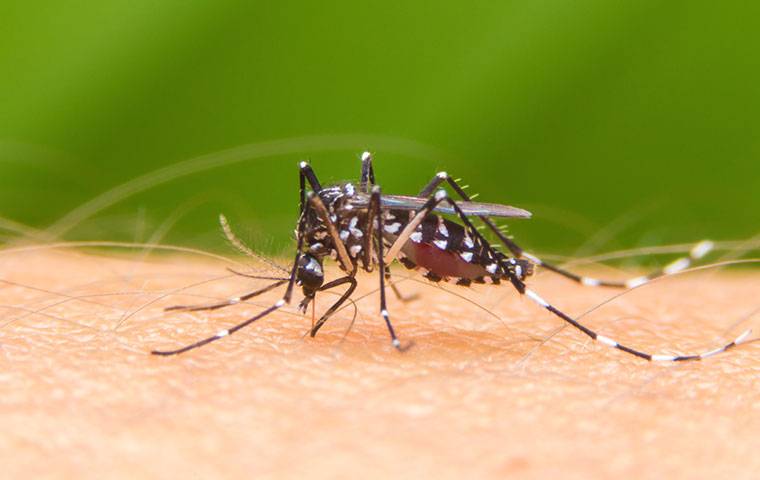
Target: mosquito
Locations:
point(362, 228)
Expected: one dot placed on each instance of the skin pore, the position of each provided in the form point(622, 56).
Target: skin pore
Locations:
point(479, 395)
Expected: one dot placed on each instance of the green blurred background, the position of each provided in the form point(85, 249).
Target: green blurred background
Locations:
point(618, 124)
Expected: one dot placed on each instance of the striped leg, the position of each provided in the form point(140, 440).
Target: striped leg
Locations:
point(382, 261)
point(228, 302)
point(305, 174)
point(284, 300)
point(369, 228)
point(520, 287)
point(368, 173)
point(697, 252)
point(612, 343)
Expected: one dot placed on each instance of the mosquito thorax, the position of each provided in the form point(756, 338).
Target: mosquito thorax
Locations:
point(349, 222)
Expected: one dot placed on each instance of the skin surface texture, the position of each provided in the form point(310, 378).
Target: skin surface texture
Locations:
point(482, 394)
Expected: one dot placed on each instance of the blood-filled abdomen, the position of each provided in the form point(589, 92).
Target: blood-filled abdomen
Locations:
point(444, 263)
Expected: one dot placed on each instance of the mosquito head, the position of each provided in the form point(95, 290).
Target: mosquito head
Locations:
point(310, 275)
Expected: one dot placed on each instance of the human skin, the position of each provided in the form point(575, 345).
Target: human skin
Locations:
point(480, 395)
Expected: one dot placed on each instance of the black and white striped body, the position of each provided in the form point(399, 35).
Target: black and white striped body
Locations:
point(442, 249)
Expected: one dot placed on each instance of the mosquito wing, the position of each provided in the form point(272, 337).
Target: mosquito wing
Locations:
point(403, 202)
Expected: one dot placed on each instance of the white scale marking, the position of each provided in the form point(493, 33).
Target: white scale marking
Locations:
point(352, 227)
point(468, 242)
point(466, 256)
point(222, 333)
point(532, 258)
point(677, 266)
point(354, 251)
point(366, 156)
point(314, 266)
point(663, 358)
point(344, 235)
point(536, 298)
point(442, 228)
point(442, 244)
point(590, 282)
point(741, 338)
point(518, 271)
point(701, 249)
point(491, 268)
point(636, 282)
point(416, 237)
point(392, 228)
point(607, 341)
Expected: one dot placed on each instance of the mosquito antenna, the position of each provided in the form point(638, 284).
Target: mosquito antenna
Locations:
point(242, 247)
point(255, 277)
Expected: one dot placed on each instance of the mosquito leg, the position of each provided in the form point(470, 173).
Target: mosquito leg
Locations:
point(499, 263)
point(283, 301)
point(223, 333)
point(381, 261)
point(228, 302)
point(612, 343)
point(305, 173)
point(441, 177)
point(316, 203)
point(697, 252)
point(346, 295)
point(368, 173)
point(369, 232)
point(521, 288)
